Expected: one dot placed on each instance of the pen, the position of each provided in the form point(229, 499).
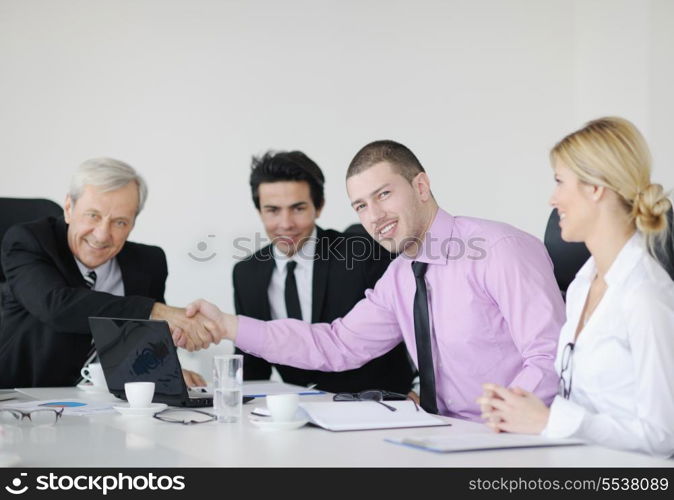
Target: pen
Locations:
point(311, 393)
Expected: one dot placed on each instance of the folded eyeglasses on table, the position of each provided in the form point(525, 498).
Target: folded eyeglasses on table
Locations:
point(41, 416)
point(374, 395)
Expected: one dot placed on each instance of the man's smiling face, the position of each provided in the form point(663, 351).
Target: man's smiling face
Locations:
point(99, 222)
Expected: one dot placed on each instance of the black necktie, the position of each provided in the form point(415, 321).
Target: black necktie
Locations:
point(422, 333)
point(293, 308)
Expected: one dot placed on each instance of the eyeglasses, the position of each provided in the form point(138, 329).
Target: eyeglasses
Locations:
point(566, 369)
point(185, 417)
point(372, 395)
point(43, 416)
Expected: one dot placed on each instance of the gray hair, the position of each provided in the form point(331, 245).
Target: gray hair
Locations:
point(107, 174)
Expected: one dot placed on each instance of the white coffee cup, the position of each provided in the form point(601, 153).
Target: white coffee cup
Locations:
point(93, 373)
point(139, 394)
point(283, 407)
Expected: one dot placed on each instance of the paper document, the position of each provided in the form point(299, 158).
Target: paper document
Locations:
point(451, 442)
point(360, 415)
point(44, 393)
point(70, 406)
point(7, 394)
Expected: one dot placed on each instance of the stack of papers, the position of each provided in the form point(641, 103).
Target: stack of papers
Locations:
point(361, 415)
point(446, 443)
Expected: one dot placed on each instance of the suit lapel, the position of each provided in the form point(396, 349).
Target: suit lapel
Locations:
point(136, 281)
point(64, 253)
point(320, 277)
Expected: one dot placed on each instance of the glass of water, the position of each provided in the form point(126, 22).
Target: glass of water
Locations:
point(228, 387)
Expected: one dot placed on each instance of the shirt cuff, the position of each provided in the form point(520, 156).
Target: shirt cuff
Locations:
point(565, 419)
point(533, 380)
point(250, 335)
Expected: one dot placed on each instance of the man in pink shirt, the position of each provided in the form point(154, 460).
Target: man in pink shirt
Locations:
point(474, 300)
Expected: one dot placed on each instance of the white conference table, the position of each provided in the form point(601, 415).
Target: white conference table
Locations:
point(113, 440)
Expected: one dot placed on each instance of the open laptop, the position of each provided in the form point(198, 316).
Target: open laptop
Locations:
point(140, 350)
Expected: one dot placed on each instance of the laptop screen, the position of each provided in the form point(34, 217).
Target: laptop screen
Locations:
point(132, 350)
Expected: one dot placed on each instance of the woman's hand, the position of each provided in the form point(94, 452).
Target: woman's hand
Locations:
point(513, 410)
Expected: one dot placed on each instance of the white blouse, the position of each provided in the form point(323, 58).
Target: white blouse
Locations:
point(622, 366)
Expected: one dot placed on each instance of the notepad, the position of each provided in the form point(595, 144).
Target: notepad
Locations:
point(447, 443)
point(361, 415)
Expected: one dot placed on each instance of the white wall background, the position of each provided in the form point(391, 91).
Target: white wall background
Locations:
point(187, 90)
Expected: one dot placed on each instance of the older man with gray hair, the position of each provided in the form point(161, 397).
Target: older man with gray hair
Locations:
point(62, 270)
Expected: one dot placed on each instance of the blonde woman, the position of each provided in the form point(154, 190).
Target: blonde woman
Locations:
point(615, 355)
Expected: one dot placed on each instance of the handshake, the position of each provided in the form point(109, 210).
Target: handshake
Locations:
point(198, 325)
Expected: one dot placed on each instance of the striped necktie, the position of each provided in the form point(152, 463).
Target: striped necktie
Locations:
point(90, 279)
point(90, 282)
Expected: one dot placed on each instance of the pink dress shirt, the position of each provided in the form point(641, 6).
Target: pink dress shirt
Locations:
point(495, 309)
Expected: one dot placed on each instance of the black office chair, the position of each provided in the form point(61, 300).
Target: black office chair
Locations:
point(568, 258)
point(666, 255)
point(16, 210)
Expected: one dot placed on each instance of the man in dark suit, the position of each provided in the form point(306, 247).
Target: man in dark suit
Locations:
point(62, 270)
point(309, 273)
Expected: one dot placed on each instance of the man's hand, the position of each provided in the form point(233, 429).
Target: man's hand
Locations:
point(414, 397)
point(194, 332)
point(218, 324)
point(513, 410)
point(193, 379)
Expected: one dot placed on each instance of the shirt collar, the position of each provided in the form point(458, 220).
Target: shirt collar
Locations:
point(100, 270)
point(627, 258)
point(305, 255)
point(436, 244)
point(622, 265)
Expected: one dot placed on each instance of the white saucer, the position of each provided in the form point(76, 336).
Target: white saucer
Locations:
point(91, 388)
point(269, 425)
point(140, 412)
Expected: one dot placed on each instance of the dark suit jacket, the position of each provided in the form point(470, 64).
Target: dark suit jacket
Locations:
point(44, 336)
point(339, 282)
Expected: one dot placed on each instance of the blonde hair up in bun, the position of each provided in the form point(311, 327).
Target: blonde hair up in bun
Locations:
point(611, 152)
point(649, 209)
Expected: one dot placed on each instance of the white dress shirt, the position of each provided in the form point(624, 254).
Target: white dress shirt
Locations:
point(304, 273)
point(622, 367)
point(108, 277)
